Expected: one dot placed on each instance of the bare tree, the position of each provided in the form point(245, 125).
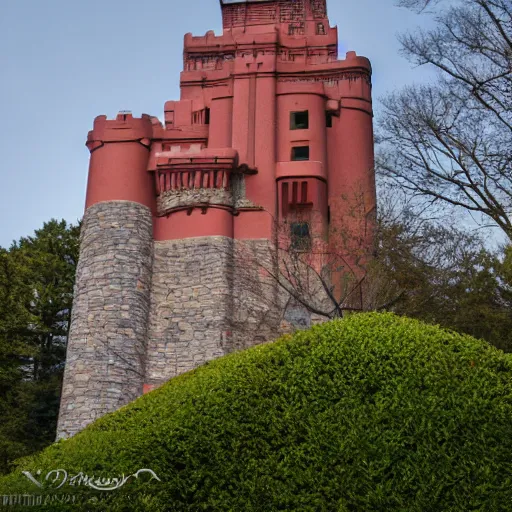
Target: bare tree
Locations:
point(321, 277)
point(304, 270)
point(451, 141)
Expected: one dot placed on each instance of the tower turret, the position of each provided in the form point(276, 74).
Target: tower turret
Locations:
point(105, 362)
point(119, 159)
point(351, 175)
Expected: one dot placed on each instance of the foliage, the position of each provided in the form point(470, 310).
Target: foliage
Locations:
point(36, 291)
point(441, 274)
point(372, 412)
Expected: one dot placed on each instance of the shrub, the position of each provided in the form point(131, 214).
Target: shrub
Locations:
point(370, 413)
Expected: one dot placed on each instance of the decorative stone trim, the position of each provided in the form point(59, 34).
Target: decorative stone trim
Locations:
point(187, 197)
point(233, 197)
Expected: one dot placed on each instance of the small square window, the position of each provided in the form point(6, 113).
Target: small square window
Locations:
point(300, 153)
point(299, 120)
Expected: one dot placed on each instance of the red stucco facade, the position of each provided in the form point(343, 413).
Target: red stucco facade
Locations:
point(269, 102)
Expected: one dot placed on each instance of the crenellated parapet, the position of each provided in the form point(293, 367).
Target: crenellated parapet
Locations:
point(124, 128)
point(290, 31)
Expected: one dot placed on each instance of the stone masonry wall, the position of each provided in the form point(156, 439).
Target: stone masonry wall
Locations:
point(191, 303)
point(208, 298)
point(106, 348)
point(258, 302)
point(146, 311)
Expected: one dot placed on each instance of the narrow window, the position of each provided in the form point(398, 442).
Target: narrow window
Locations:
point(285, 199)
point(300, 153)
point(299, 120)
point(295, 192)
point(300, 236)
point(320, 29)
point(304, 192)
point(207, 116)
point(328, 119)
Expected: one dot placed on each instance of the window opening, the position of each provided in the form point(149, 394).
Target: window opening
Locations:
point(285, 199)
point(300, 153)
point(295, 192)
point(300, 236)
point(299, 120)
point(304, 192)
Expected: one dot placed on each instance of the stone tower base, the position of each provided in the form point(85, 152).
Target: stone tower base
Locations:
point(147, 311)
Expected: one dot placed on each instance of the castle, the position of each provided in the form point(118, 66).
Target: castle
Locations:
point(270, 124)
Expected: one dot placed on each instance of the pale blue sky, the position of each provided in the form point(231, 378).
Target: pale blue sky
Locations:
point(65, 62)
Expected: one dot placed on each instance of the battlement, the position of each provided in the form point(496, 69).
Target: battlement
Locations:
point(263, 23)
point(228, 40)
point(124, 128)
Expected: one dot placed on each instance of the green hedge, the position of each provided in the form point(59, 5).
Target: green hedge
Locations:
point(370, 413)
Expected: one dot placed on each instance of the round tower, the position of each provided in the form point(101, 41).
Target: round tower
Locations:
point(107, 340)
point(350, 140)
point(351, 176)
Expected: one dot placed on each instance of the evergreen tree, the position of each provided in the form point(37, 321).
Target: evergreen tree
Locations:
point(36, 293)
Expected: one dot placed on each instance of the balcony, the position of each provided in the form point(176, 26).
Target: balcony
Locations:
point(185, 180)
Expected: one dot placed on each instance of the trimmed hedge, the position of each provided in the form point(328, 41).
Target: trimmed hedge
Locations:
point(370, 413)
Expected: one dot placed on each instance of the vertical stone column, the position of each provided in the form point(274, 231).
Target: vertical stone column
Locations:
point(265, 137)
point(351, 176)
point(107, 342)
point(221, 122)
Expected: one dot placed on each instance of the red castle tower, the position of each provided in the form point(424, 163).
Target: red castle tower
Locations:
point(270, 122)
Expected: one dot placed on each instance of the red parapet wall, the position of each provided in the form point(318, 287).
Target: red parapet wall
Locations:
point(239, 93)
